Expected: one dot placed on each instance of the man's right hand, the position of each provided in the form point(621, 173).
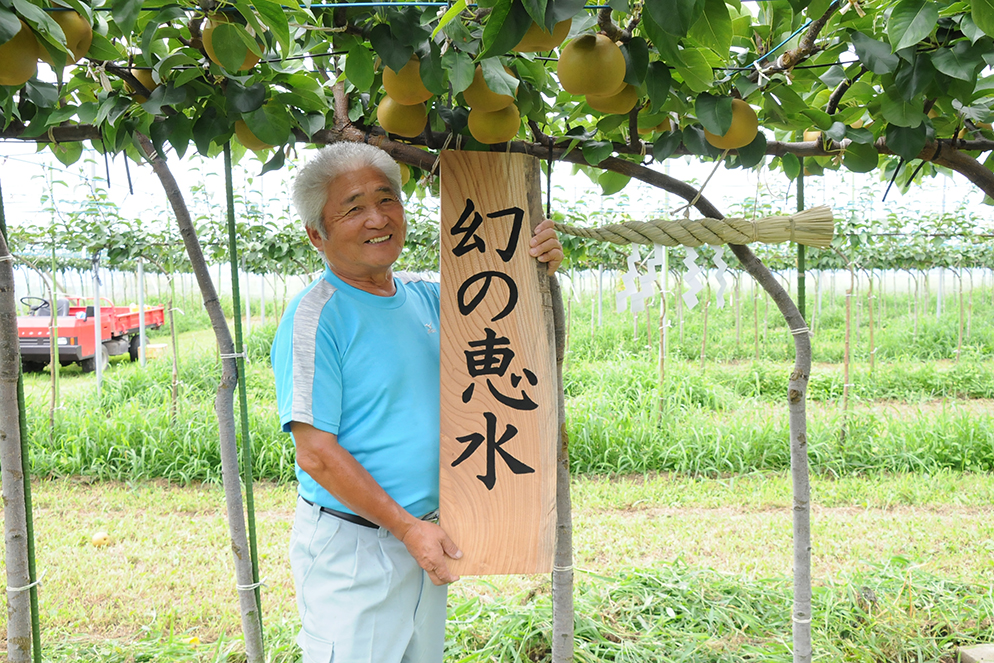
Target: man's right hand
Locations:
point(429, 545)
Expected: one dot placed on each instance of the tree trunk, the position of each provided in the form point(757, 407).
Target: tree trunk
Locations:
point(223, 406)
point(12, 474)
point(562, 569)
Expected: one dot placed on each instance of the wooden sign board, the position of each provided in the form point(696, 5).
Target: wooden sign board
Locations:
point(499, 409)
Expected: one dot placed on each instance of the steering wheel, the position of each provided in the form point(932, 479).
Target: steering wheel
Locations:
point(34, 307)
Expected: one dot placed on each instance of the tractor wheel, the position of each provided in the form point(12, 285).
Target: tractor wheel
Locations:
point(32, 366)
point(134, 347)
point(90, 365)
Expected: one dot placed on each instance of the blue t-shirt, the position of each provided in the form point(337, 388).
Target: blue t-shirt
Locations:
point(366, 368)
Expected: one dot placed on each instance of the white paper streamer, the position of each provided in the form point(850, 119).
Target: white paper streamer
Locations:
point(719, 253)
point(694, 284)
point(629, 280)
point(646, 291)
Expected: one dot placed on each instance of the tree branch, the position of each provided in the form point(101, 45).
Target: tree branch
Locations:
point(840, 91)
point(805, 48)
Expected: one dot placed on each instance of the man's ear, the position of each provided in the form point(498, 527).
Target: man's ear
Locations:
point(315, 237)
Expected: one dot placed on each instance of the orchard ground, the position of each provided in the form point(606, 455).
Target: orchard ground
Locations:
point(682, 502)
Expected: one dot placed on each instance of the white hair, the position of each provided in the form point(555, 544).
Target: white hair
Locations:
point(310, 188)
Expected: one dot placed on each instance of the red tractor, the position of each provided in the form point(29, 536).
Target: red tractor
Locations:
point(76, 332)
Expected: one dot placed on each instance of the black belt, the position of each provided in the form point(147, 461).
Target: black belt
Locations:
point(359, 520)
point(349, 517)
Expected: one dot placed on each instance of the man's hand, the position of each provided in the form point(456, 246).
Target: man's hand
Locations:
point(429, 545)
point(546, 247)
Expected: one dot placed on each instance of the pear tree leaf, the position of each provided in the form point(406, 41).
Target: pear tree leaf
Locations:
point(961, 61)
point(657, 82)
point(906, 142)
point(714, 113)
point(460, 68)
point(612, 182)
point(983, 15)
point(10, 25)
point(393, 53)
point(713, 28)
point(359, 67)
point(753, 153)
point(875, 55)
point(666, 145)
point(910, 22)
point(636, 53)
point(791, 166)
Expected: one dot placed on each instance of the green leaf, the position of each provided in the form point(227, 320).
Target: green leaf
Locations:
point(431, 71)
point(450, 15)
point(833, 76)
point(229, 46)
point(713, 28)
point(270, 124)
point(820, 118)
point(912, 79)
point(753, 153)
point(498, 80)
point(791, 166)
point(393, 53)
point(983, 15)
point(536, 10)
point(67, 153)
point(406, 27)
point(275, 163)
point(836, 132)
point(961, 61)
point(612, 182)
point(10, 25)
point(460, 68)
point(899, 111)
point(674, 16)
point(243, 99)
point(906, 142)
point(596, 151)
point(274, 17)
point(40, 19)
point(125, 14)
point(910, 22)
point(715, 113)
point(696, 70)
point(875, 55)
point(636, 54)
point(102, 48)
point(180, 132)
point(657, 82)
point(359, 67)
point(693, 139)
point(164, 95)
point(560, 10)
point(506, 25)
point(861, 135)
point(666, 145)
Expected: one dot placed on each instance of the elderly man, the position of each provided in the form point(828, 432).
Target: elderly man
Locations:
point(356, 361)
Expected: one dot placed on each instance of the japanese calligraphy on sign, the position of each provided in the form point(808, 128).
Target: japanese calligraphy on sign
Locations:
point(499, 426)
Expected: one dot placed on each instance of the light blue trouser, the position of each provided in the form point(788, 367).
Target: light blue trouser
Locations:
point(362, 598)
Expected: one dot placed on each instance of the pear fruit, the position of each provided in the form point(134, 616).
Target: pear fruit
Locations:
point(19, 56)
point(79, 36)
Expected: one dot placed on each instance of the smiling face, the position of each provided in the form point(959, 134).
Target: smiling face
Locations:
point(364, 229)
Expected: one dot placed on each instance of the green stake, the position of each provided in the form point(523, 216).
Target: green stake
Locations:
point(242, 394)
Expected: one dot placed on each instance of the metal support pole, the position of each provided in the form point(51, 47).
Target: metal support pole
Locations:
point(142, 339)
point(98, 344)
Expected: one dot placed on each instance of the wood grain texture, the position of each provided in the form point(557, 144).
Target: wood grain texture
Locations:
point(507, 526)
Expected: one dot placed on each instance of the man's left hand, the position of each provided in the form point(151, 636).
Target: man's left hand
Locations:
point(546, 247)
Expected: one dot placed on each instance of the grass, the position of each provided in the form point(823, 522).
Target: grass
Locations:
point(669, 568)
point(681, 497)
point(715, 553)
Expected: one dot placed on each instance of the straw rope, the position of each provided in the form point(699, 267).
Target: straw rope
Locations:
point(812, 227)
